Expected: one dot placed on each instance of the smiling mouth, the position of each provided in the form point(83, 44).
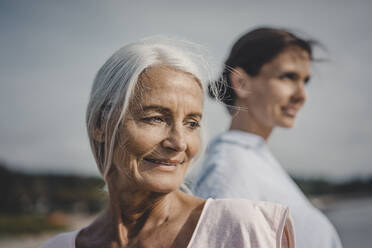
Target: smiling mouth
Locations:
point(163, 162)
point(289, 111)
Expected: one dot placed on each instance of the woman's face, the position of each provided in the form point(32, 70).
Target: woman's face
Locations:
point(160, 134)
point(278, 92)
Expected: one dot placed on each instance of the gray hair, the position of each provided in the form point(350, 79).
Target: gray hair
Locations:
point(115, 82)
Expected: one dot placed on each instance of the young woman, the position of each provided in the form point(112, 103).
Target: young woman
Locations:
point(266, 74)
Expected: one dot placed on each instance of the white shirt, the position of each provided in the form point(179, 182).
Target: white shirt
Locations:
point(239, 165)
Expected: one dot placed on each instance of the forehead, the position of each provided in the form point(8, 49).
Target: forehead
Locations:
point(166, 85)
point(292, 58)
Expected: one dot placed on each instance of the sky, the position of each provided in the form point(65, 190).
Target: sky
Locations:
point(51, 50)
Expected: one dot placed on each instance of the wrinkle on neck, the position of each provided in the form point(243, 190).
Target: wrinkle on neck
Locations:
point(136, 212)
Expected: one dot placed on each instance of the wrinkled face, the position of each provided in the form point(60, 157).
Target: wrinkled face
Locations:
point(160, 134)
point(278, 91)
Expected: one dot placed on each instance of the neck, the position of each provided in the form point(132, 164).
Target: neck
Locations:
point(134, 211)
point(242, 120)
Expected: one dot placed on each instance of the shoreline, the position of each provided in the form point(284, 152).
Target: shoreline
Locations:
point(328, 201)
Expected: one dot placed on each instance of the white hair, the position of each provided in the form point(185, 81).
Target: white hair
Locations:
point(115, 82)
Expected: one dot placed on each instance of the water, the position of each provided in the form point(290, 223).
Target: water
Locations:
point(353, 221)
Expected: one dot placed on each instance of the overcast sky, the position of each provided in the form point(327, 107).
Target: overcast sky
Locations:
point(51, 50)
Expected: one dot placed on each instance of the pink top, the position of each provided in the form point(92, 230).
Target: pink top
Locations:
point(227, 223)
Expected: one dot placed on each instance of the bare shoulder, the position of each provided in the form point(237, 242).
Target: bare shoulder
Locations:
point(193, 208)
point(192, 202)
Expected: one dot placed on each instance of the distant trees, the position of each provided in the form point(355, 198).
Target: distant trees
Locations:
point(24, 193)
point(316, 187)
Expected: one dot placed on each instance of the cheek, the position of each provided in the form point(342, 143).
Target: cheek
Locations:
point(194, 143)
point(279, 94)
point(141, 139)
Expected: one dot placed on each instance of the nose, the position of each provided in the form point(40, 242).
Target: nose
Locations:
point(175, 140)
point(299, 95)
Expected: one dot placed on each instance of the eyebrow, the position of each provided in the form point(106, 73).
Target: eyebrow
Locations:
point(164, 110)
point(156, 108)
point(195, 115)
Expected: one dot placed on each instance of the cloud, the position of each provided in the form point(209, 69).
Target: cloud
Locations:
point(51, 51)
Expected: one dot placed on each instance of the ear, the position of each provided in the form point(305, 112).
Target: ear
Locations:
point(240, 81)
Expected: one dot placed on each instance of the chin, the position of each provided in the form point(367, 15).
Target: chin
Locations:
point(163, 189)
point(163, 186)
point(286, 123)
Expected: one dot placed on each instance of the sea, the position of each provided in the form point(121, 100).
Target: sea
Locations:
point(352, 219)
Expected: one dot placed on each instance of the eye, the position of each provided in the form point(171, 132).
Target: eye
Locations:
point(193, 124)
point(289, 76)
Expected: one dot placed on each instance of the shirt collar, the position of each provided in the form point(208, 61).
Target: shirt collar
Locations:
point(241, 138)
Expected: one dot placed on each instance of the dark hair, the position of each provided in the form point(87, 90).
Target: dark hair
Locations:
point(251, 52)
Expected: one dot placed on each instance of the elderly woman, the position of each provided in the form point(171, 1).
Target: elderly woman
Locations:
point(144, 123)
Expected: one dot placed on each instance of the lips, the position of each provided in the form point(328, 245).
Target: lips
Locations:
point(290, 111)
point(167, 162)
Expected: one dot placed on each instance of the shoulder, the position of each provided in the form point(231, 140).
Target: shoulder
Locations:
point(223, 147)
point(62, 240)
point(240, 221)
point(264, 222)
point(223, 154)
point(233, 177)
